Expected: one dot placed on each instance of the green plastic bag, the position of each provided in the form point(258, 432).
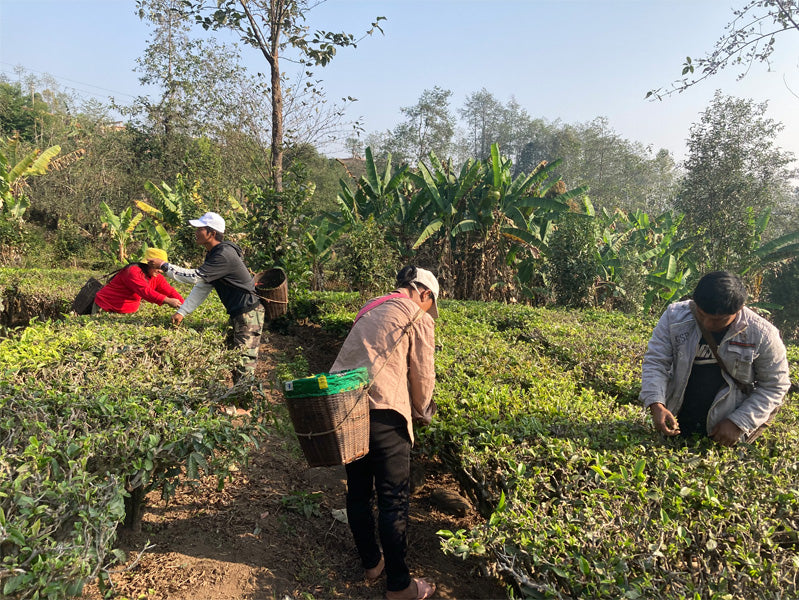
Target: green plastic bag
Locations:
point(326, 384)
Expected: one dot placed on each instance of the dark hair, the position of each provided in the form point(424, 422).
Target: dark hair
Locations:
point(218, 235)
point(720, 293)
point(146, 268)
point(406, 276)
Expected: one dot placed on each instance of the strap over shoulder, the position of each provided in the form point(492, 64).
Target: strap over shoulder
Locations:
point(377, 302)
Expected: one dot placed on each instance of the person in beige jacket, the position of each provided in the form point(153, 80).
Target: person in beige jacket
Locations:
point(393, 336)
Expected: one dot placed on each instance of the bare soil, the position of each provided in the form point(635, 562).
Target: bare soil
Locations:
point(246, 542)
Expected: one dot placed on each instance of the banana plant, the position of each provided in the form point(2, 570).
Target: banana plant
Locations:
point(167, 205)
point(438, 206)
point(376, 195)
point(532, 206)
point(14, 170)
point(759, 256)
point(121, 229)
point(319, 240)
point(16, 207)
point(635, 245)
point(157, 235)
point(671, 282)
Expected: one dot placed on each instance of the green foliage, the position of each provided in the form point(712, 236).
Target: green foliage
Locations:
point(21, 113)
point(58, 519)
point(429, 127)
point(166, 218)
point(378, 196)
point(307, 504)
point(335, 311)
point(319, 243)
point(294, 368)
point(364, 260)
point(645, 260)
point(781, 289)
point(486, 226)
point(275, 224)
point(71, 242)
point(16, 168)
point(121, 229)
point(734, 176)
point(14, 239)
point(572, 261)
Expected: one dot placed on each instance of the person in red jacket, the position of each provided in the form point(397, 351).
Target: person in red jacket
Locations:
point(137, 281)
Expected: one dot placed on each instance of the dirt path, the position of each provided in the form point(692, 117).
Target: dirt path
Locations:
point(271, 533)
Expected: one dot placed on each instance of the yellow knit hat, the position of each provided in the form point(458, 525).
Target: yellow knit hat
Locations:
point(151, 253)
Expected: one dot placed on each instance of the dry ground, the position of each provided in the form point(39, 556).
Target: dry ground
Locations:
point(245, 542)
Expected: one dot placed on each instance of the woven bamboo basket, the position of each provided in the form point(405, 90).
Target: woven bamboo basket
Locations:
point(332, 428)
point(272, 288)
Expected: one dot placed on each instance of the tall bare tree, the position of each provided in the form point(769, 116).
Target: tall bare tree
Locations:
point(272, 27)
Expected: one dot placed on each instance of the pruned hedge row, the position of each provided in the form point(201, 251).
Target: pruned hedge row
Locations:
point(37, 293)
point(94, 413)
point(537, 417)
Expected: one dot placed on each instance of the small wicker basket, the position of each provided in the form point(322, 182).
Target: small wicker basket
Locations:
point(330, 414)
point(272, 288)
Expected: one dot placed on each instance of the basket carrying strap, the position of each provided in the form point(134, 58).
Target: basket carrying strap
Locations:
point(366, 389)
point(375, 303)
point(109, 276)
point(272, 301)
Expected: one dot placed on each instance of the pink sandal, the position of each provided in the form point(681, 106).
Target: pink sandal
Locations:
point(423, 590)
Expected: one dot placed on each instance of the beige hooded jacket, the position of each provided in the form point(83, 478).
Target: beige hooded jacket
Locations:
point(402, 380)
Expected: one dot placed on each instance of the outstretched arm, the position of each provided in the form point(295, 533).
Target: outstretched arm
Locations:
point(196, 297)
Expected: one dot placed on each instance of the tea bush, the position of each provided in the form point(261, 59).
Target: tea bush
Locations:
point(96, 412)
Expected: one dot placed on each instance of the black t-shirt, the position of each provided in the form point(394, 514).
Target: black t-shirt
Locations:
point(704, 383)
point(226, 271)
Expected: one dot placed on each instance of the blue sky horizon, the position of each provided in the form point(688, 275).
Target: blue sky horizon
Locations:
point(569, 60)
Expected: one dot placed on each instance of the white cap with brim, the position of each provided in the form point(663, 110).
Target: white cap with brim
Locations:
point(210, 219)
point(427, 279)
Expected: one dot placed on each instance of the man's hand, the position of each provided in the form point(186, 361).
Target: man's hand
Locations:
point(156, 262)
point(173, 302)
point(726, 433)
point(664, 421)
point(177, 319)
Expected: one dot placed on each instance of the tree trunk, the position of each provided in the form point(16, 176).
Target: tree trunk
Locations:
point(270, 49)
point(277, 124)
point(134, 509)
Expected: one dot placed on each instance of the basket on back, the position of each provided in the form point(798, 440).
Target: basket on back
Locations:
point(330, 414)
point(272, 288)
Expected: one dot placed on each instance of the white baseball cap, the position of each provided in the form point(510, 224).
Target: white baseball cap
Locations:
point(427, 279)
point(210, 219)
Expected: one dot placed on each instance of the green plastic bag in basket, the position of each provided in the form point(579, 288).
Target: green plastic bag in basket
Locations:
point(326, 384)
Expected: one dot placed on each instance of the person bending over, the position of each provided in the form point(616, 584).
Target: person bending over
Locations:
point(393, 336)
point(224, 271)
point(134, 283)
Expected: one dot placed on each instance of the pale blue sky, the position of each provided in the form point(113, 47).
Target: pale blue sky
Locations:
point(572, 60)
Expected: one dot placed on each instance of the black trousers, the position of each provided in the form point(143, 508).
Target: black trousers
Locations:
point(386, 470)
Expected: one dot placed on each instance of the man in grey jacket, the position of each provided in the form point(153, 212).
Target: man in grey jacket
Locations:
point(683, 385)
point(224, 271)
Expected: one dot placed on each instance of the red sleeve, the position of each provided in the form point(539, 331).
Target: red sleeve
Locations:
point(162, 286)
